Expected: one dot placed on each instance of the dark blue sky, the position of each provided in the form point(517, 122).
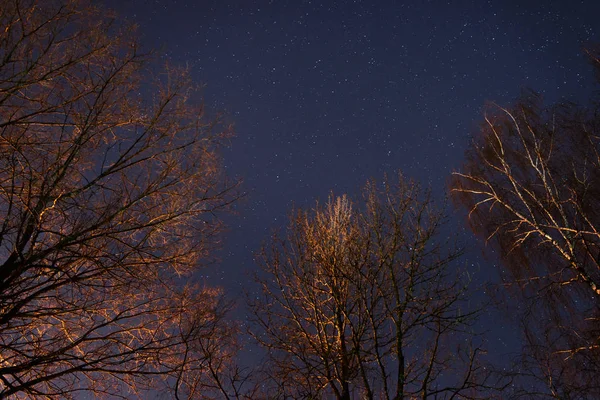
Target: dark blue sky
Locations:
point(326, 94)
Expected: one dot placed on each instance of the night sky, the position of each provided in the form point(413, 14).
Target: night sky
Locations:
point(326, 94)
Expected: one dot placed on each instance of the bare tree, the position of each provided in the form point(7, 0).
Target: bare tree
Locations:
point(109, 198)
point(531, 185)
point(367, 302)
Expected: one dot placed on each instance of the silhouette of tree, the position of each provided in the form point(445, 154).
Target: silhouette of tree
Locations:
point(367, 302)
point(110, 193)
point(531, 185)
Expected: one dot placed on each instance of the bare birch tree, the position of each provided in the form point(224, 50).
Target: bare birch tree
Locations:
point(366, 301)
point(531, 185)
point(110, 192)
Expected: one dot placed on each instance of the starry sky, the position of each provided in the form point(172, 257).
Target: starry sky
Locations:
point(327, 94)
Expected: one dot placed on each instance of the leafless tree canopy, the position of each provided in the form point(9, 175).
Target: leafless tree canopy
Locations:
point(531, 185)
point(364, 300)
point(109, 198)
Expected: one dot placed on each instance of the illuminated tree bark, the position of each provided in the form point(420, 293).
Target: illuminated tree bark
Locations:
point(109, 198)
point(366, 302)
point(531, 185)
